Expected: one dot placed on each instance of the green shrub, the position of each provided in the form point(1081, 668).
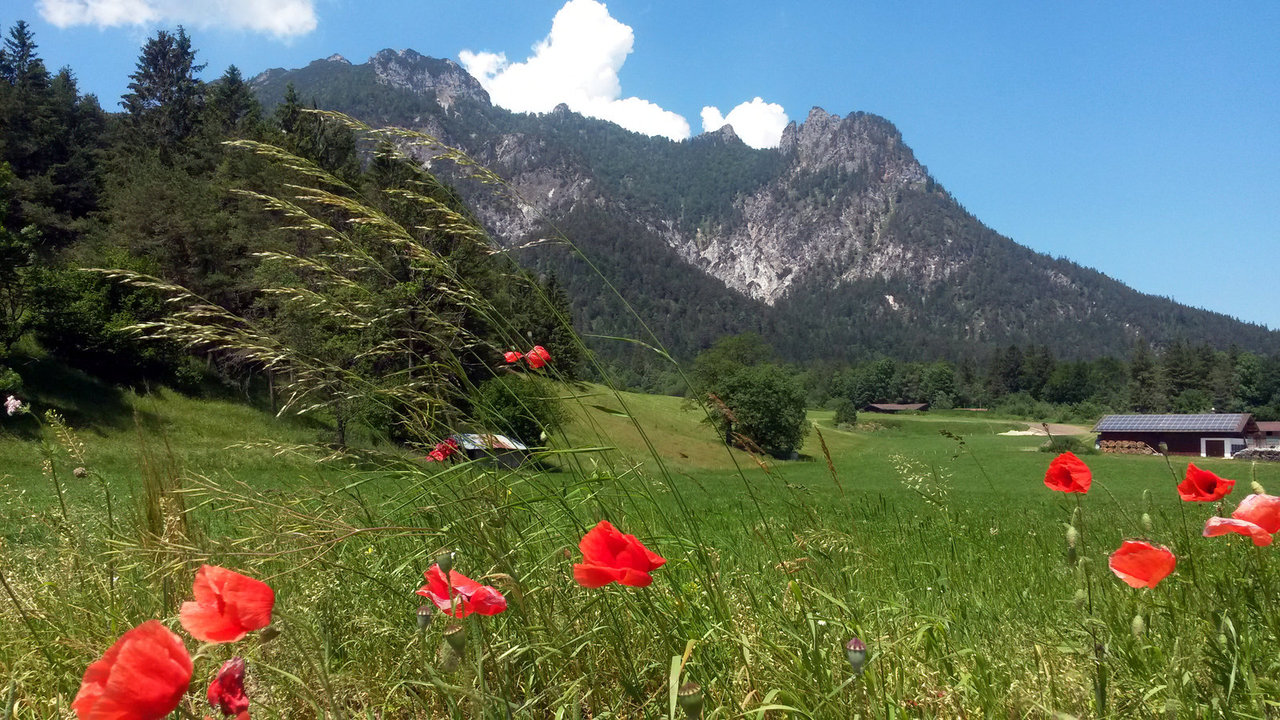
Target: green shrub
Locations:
point(10, 381)
point(846, 412)
point(520, 406)
point(1059, 444)
point(768, 407)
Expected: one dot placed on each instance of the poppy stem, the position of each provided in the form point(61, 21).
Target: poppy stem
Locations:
point(1099, 669)
point(1265, 582)
point(1088, 583)
point(1186, 533)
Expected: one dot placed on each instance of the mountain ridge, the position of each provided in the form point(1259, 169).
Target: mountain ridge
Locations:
point(838, 243)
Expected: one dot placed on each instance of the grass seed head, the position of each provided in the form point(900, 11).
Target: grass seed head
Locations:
point(1138, 626)
point(1146, 523)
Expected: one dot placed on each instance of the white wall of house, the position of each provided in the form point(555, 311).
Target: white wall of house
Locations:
point(1230, 446)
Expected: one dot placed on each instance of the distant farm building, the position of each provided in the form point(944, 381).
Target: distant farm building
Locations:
point(493, 448)
point(895, 407)
point(1210, 435)
point(1270, 434)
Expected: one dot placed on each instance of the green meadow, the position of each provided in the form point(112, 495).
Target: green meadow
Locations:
point(931, 537)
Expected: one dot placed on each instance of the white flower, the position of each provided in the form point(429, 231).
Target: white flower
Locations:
point(12, 405)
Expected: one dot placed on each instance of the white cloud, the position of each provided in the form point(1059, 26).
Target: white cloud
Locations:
point(281, 18)
point(576, 64)
point(758, 123)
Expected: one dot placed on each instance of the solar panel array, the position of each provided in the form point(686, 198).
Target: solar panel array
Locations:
point(1210, 422)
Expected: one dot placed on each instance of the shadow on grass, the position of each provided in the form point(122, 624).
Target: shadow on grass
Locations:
point(84, 401)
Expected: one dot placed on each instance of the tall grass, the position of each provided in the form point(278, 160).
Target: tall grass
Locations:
point(964, 590)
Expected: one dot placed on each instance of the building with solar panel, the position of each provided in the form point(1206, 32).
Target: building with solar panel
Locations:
point(1210, 435)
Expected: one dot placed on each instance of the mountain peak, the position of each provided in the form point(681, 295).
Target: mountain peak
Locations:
point(411, 70)
point(725, 134)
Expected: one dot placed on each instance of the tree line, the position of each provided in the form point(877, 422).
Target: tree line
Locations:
point(155, 189)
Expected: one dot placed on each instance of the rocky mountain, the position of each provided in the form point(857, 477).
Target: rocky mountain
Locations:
point(837, 244)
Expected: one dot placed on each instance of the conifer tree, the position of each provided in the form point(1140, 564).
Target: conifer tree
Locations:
point(1146, 385)
point(165, 99)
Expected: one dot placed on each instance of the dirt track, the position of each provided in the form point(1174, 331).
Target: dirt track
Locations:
point(1054, 428)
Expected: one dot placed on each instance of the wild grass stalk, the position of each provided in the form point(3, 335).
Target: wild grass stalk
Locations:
point(950, 580)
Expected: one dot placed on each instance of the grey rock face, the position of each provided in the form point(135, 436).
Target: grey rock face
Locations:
point(823, 213)
point(786, 235)
point(444, 79)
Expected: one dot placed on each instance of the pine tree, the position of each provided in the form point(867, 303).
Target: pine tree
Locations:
point(165, 99)
point(234, 109)
point(1146, 385)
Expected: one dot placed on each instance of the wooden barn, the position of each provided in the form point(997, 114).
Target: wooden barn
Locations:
point(895, 407)
point(1209, 435)
point(1270, 434)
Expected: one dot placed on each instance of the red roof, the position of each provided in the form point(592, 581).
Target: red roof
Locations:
point(1269, 427)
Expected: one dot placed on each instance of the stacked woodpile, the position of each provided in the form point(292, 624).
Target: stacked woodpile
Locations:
point(1127, 447)
point(1268, 454)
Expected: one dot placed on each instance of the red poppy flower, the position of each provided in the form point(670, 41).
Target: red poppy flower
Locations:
point(610, 556)
point(143, 676)
point(1141, 564)
point(227, 607)
point(1261, 510)
point(226, 692)
point(1204, 486)
point(469, 595)
point(1068, 473)
point(1216, 526)
point(511, 356)
point(1257, 516)
point(443, 450)
point(538, 357)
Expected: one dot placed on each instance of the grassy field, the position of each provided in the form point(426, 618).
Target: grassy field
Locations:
point(931, 537)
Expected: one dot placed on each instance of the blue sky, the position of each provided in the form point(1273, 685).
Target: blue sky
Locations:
point(1139, 138)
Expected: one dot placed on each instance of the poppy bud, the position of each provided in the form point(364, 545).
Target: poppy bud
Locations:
point(1171, 709)
point(268, 634)
point(856, 651)
point(1146, 523)
point(424, 616)
point(1138, 625)
point(456, 637)
point(1080, 598)
point(1163, 448)
point(1073, 537)
point(79, 472)
point(1222, 640)
point(1257, 488)
point(445, 561)
point(449, 660)
point(690, 699)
